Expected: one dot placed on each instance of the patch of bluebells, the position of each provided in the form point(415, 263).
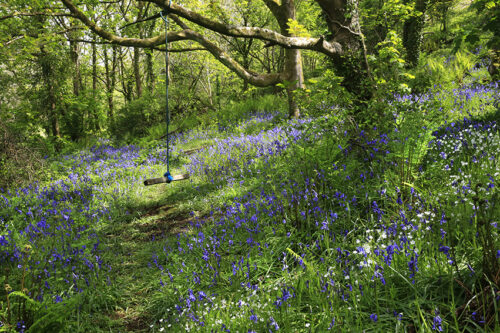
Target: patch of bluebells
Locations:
point(310, 221)
point(306, 213)
point(461, 102)
point(51, 219)
point(486, 93)
point(58, 219)
point(235, 156)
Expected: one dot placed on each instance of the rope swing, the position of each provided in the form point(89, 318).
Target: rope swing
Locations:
point(167, 177)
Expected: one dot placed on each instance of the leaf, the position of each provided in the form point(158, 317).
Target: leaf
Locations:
point(490, 5)
point(409, 76)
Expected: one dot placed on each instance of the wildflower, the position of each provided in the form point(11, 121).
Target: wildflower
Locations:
point(374, 317)
point(253, 317)
point(444, 249)
point(437, 322)
point(331, 324)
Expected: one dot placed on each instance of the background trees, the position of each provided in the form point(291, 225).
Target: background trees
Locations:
point(72, 69)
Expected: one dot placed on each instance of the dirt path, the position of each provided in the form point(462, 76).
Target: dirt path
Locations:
point(133, 244)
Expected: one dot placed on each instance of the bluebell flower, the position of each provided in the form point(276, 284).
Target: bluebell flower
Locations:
point(437, 322)
point(253, 317)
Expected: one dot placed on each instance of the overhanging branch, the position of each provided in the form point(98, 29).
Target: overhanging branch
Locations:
point(309, 43)
point(256, 79)
point(154, 17)
point(27, 14)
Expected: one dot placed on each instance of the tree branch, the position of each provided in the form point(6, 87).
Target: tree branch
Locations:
point(156, 48)
point(13, 40)
point(259, 80)
point(256, 79)
point(19, 14)
point(124, 41)
point(309, 43)
point(154, 17)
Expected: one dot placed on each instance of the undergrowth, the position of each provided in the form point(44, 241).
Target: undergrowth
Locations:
point(283, 226)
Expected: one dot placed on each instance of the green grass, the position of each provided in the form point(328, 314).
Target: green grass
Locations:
point(281, 267)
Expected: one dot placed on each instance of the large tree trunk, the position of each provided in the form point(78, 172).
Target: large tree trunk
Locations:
point(412, 33)
point(95, 116)
point(293, 71)
point(343, 25)
point(342, 21)
point(51, 101)
point(75, 60)
point(137, 72)
point(110, 70)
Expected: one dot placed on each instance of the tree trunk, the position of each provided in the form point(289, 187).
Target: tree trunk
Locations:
point(95, 116)
point(53, 112)
point(412, 33)
point(110, 78)
point(150, 78)
point(126, 81)
point(114, 64)
point(48, 78)
point(293, 67)
point(137, 72)
point(75, 60)
point(293, 71)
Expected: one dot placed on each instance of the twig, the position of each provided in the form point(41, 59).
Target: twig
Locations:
point(154, 17)
point(16, 14)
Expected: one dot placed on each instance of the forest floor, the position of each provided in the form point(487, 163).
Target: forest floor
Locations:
point(283, 225)
point(132, 247)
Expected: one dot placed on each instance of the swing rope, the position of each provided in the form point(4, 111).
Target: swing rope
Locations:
point(167, 177)
point(163, 15)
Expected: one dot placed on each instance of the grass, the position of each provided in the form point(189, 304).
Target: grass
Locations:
point(283, 226)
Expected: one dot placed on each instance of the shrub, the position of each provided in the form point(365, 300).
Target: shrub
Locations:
point(19, 163)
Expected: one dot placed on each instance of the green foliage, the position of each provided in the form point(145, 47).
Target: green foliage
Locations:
point(136, 117)
point(296, 29)
point(389, 66)
point(447, 72)
point(323, 95)
point(490, 12)
point(20, 310)
point(379, 17)
point(235, 112)
point(82, 115)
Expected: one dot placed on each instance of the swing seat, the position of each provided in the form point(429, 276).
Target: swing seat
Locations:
point(161, 180)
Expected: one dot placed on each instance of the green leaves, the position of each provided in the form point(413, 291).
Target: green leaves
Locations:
point(296, 29)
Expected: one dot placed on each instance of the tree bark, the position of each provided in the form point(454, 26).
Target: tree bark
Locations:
point(137, 72)
point(150, 77)
point(125, 80)
point(75, 60)
point(51, 102)
point(412, 33)
point(110, 78)
point(293, 71)
point(137, 55)
point(95, 116)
